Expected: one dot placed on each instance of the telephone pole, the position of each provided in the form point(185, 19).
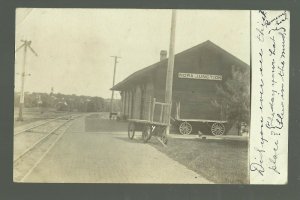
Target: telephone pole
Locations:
point(169, 79)
point(26, 44)
point(112, 92)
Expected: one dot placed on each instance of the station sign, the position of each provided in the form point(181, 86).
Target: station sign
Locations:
point(200, 76)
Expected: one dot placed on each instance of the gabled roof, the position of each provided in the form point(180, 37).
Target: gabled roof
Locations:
point(143, 72)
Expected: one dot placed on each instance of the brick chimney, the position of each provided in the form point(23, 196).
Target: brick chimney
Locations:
point(163, 55)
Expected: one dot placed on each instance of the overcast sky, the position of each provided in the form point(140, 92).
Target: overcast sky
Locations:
point(74, 45)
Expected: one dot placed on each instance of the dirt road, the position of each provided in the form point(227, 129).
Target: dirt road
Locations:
point(97, 151)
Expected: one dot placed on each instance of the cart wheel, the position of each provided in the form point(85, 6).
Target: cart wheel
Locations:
point(146, 135)
point(185, 128)
point(217, 129)
point(131, 130)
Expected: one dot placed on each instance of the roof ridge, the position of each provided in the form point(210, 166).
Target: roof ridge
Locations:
point(161, 61)
point(154, 65)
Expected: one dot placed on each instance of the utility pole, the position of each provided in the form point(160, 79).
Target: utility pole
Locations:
point(112, 92)
point(26, 44)
point(169, 79)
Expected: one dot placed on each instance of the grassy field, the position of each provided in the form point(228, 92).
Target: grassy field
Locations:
point(220, 161)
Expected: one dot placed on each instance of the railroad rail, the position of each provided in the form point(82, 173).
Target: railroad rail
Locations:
point(26, 161)
point(41, 124)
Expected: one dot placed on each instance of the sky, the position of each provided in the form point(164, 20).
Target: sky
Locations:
point(75, 46)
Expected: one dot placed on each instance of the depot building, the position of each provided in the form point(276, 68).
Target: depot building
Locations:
point(197, 73)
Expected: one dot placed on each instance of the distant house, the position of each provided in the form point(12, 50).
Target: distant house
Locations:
point(197, 72)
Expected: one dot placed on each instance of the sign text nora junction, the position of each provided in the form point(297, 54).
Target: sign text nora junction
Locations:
point(200, 76)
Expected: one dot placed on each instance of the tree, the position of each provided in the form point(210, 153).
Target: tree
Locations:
point(235, 97)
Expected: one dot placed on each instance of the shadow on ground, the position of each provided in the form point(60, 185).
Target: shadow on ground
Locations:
point(94, 123)
point(136, 140)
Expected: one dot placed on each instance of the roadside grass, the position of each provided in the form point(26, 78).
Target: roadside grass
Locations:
point(220, 161)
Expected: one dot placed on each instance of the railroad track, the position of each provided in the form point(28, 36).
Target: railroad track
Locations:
point(41, 124)
point(31, 145)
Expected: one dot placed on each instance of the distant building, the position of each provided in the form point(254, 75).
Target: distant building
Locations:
point(52, 91)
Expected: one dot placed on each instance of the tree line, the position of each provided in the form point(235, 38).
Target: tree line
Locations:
point(64, 102)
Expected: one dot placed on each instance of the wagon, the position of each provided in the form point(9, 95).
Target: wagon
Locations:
point(217, 127)
point(151, 126)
